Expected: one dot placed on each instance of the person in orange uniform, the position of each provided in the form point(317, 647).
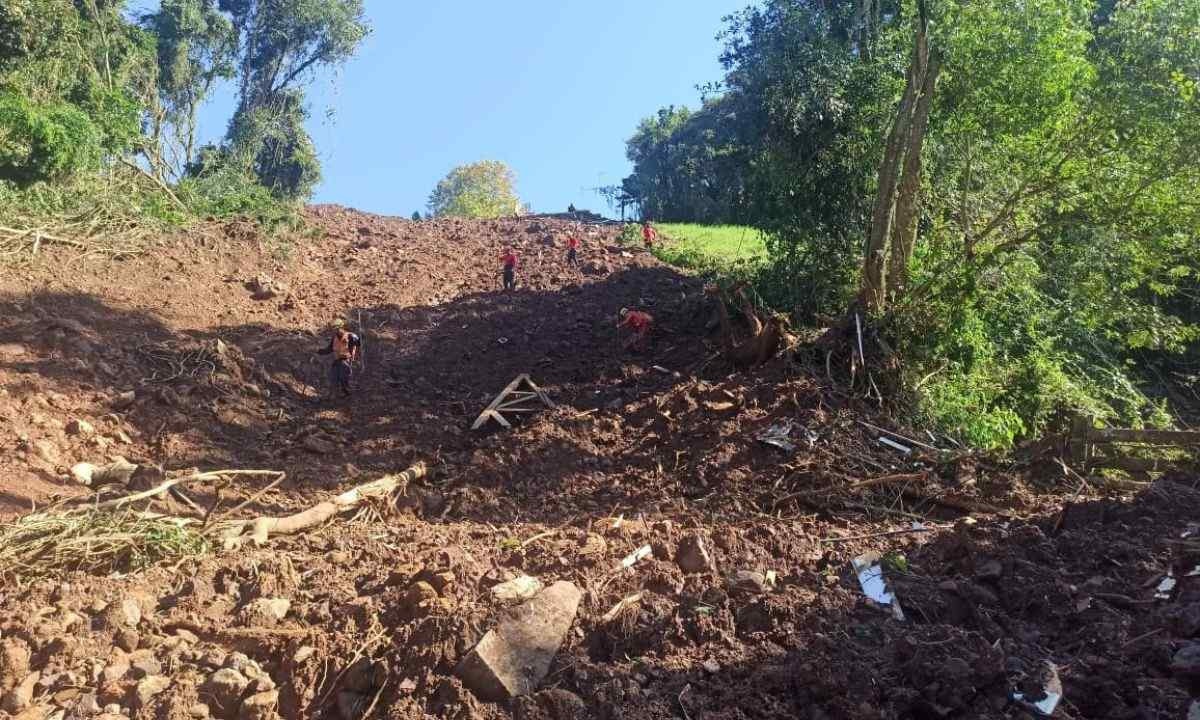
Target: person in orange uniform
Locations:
point(640, 323)
point(649, 235)
point(344, 345)
point(509, 261)
point(573, 249)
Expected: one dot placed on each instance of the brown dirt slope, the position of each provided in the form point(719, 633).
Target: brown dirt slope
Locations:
point(202, 354)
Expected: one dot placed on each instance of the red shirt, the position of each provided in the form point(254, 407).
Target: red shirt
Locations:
point(509, 259)
point(573, 242)
point(648, 233)
point(637, 320)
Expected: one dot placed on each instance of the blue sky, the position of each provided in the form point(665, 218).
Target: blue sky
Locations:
point(551, 87)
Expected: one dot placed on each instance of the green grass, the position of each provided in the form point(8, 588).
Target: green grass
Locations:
point(717, 249)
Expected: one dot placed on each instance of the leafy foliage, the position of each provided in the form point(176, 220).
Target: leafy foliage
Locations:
point(1058, 242)
point(479, 190)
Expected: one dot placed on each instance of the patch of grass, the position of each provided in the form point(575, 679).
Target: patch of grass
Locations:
point(43, 545)
point(712, 249)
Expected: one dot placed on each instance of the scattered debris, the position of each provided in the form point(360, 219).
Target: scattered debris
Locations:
point(895, 445)
point(692, 555)
point(1052, 692)
point(625, 602)
point(779, 436)
point(1165, 587)
point(513, 658)
point(869, 569)
point(632, 558)
point(513, 400)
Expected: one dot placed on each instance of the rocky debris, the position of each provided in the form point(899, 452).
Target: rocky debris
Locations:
point(124, 400)
point(518, 589)
point(148, 687)
point(118, 472)
point(1186, 662)
point(266, 612)
point(21, 696)
point(127, 639)
point(552, 704)
point(122, 614)
point(14, 662)
point(47, 451)
point(199, 711)
point(512, 659)
point(319, 445)
point(12, 350)
point(264, 287)
point(260, 706)
point(81, 428)
point(692, 555)
point(747, 582)
point(145, 666)
point(594, 546)
point(223, 691)
point(41, 712)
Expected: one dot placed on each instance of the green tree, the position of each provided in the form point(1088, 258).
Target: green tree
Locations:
point(281, 44)
point(479, 190)
point(196, 47)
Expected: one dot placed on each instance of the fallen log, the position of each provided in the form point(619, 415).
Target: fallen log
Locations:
point(262, 528)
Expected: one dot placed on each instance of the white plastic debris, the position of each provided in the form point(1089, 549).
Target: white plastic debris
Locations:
point(778, 436)
point(869, 568)
point(632, 558)
point(895, 445)
point(1052, 689)
point(1165, 588)
point(1194, 573)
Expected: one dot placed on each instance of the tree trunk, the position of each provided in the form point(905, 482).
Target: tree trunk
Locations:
point(873, 289)
point(904, 223)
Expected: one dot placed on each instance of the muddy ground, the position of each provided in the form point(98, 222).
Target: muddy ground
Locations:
point(202, 354)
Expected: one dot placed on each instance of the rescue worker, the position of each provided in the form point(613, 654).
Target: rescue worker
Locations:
point(573, 249)
point(649, 235)
point(344, 345)
point(509, 261)
point(640, 323)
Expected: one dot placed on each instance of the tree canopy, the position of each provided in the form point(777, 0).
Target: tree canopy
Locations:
point(484, 189)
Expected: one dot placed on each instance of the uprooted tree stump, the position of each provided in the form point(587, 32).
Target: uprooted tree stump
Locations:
point(767, 336)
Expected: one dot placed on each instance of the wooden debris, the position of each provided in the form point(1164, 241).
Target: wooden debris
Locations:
point(620, 607)
point(513, 400)
point(632, 558)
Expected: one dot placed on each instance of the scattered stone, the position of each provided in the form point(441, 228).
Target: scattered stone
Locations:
point(420, 595)
point(14, 662)
point(692, 555)
point(47, 451)
point(1194, 711)
point(85, 706)
point(148, 687)
point(125, 613)
point(747, 582)
point(113, 709)
point(990, 570)
point(21, 696)
point(125, 400)
point(266, 612)
point(260, 706)
point(126, 639)
point(82, 428)
point(513, 658)
point(712, 667)
point(303, 654)
point(318, 445)
point(37, 712)
point(1186, 663)
point(225, 688)
point(187, 636)
point(11, 350)
point(145, 667)
point(199, 711)
point(552, 704)
point(517, 590)
point(116, 670)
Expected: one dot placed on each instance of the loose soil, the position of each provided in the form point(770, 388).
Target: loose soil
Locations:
point(203, 354)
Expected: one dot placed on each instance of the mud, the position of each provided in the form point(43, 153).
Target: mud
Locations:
point(181, 359)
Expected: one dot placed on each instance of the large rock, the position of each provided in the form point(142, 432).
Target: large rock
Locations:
point(692, 555)
point(260, 706)
point(223, 691)
point(513, 658)
point(148, 687)
point(1186, 663)
point(517, 589)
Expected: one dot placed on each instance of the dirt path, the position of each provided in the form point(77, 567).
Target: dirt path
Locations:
point(176, 360)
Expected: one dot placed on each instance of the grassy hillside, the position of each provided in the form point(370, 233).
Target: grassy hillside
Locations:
point(720, 248)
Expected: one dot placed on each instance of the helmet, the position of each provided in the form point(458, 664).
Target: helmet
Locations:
point(624, 312)
point(339, 323)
